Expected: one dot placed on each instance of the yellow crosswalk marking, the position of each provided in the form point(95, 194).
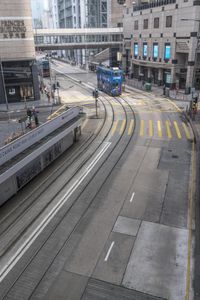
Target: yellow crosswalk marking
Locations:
point(114, 127)
point(169, 134)
point(150, 128)
point(122, 126)
point(187, 132)
point(130, 130)
point(159, 129)
point(164, 129)
point(141, 127)
point(177, 130)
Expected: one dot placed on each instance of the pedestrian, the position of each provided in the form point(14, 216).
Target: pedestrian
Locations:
point(195, 99)
point(45, 90)
point(41, 89)
point(52, 95)
point(48, 96)
point(34, 112)
point(164, 89)
point(29, 115)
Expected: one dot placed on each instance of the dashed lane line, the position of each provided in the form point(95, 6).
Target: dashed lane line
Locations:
point(109, 251)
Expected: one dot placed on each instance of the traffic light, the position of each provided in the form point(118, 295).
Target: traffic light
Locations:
point(54, 87)
point(95, 93)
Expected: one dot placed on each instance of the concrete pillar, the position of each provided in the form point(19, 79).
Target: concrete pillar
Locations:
point(36, 90)
point(189, 77)
point(191, 63)
point(140, 72)
point(173, 78)
point(160, 77)
point(149, 74)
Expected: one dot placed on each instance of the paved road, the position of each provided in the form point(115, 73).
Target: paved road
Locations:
point(127, 237)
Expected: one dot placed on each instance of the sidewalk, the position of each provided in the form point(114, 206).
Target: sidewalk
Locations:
point(158, 90)
point(43, 102)
point(182, 102)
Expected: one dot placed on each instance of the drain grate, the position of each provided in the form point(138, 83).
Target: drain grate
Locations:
point(100, 290)
point(174, 156)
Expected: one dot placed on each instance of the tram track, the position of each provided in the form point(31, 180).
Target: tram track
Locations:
point(117, 144)
point(8, 221)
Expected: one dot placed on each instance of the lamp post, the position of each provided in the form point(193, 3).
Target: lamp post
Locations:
point(196, 49)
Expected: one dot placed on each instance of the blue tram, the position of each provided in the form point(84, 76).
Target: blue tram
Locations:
point(109, 80)
point(43, 67)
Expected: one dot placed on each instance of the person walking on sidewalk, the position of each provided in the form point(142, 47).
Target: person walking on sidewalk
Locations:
point(35, 116)
point(29, 115)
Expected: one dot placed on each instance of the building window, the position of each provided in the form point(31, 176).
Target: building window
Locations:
point(136, 25)
point(155, 50)
point(156, 22)
point(144, 50)
point(135, 49)
point(169, 21)
point(145, 24)
point(167, 51)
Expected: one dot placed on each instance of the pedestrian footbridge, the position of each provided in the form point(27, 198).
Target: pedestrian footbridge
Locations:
point(81, 38)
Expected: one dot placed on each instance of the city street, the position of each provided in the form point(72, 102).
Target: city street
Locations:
point(110, 219)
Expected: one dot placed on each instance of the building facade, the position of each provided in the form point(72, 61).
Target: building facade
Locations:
point(37, 8)
point(161, 43)
point(53, 11)
point(115, 12)
point(18, 76)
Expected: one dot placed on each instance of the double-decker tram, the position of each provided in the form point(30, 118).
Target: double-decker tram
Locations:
point(110, 80)
point(43, 67)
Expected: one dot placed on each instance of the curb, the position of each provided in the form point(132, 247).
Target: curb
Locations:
point(197, 213)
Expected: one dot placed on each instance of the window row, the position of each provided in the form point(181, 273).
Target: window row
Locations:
point(167, 50)
point(156, 22)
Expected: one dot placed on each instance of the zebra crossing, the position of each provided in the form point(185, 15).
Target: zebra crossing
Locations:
point(159, 129)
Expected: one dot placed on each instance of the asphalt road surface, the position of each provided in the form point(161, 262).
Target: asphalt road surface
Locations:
point(116, 223)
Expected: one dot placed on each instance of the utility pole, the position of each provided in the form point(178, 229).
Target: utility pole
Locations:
point(4, 87)
point(95, 94)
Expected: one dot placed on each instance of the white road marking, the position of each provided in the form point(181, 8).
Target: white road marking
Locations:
point(109, 250)
point(106, 146)
point(131, 200)
point(7, 267)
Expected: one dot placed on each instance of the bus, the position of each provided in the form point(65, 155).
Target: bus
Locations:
point(110, 80)
point(43, 67)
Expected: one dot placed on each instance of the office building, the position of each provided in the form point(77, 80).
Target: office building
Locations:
point(160, 42)
point(18, 76)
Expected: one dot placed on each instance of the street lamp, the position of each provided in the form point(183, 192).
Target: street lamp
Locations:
point(195, 58)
